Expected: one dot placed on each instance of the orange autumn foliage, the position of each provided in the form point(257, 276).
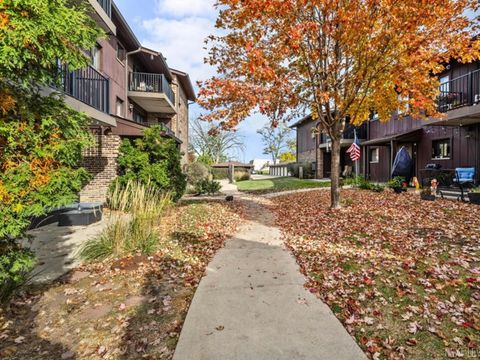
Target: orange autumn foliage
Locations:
point(4, 20)
point(7, 102)
point(335, 59)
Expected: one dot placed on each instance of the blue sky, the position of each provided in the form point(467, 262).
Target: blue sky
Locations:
point(177, 28)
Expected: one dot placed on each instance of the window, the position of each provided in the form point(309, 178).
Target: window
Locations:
point(441, 149)
point(96, 56)
point(445, 83)
point(374, 155)
point(119, 107)
point(138, 117)
point(120, 52)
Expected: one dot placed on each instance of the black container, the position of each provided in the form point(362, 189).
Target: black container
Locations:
point(428, 197)
point(474, 197)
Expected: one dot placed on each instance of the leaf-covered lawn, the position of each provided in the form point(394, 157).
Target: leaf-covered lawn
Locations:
point(403, 275)
point(279, 184)
point(131, 308)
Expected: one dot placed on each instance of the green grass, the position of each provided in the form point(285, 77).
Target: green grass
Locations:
point(279, 184)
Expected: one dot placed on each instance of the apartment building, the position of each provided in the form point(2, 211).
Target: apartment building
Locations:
point(126, 88)
point(314, 146)
point(449, 143)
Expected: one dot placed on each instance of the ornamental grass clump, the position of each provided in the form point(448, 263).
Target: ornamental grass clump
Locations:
point(136, 211)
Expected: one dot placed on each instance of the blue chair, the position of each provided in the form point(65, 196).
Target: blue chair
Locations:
point(465, 178)
point(465, 175)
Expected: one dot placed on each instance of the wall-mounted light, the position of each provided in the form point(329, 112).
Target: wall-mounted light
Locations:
point(130, 107)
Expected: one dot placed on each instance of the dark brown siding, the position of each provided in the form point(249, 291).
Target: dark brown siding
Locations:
point(456, 69)
point(305, 141)
point(465, 142)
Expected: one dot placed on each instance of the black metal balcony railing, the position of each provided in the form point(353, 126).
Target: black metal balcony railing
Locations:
point(156, 83)
point(459, 92)
point(167, 130)
point(88, 86)
point(107, 6)
point(348, 133)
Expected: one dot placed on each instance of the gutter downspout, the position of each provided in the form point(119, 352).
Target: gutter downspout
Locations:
point(127, 86)
point(140, 49)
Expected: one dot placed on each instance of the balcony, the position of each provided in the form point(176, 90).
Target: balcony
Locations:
point(459, 92)
point(348, 134)
point(458, 98)
point(102, 14)
point(152, 92)
point(106, 6)
point(87, 86)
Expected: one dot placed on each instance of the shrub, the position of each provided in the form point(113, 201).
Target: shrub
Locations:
point(210, 187)
point(241, 175)
point(153, 159)
point(197, 172)
point(220, 173)
point(41, 139)
point(138, 198)
point(396, 182)
point(362, 183)
point(377, 187)
point(132, 228)
point(15, 264)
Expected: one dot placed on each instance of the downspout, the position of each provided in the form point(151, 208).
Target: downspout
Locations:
point(126, 78)
point(177, 100)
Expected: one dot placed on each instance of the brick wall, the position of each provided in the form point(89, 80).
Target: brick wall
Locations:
point(306, 156)
point(101, 161)
point(180, 120)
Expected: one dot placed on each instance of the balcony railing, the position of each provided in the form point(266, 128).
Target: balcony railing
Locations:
point(167, 130)
point(107, 6)
point(152, 83)
point(459, 92)
point(348, 133)
point(88, 86)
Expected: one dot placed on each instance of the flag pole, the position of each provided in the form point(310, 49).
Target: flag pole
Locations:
point(357, 164)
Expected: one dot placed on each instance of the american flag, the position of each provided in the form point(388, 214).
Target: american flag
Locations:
point(354, 149)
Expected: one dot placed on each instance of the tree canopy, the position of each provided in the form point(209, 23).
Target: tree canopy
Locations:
point(36, 36)
point(213, 146)
point(275, 140)
point(335, 59)
point(41, 139)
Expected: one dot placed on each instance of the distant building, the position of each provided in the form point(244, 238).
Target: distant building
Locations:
point(259, 164)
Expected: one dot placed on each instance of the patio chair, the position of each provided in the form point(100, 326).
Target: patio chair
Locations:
point(464, 179)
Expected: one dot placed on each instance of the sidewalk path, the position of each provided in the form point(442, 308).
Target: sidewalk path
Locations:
point(252, 305)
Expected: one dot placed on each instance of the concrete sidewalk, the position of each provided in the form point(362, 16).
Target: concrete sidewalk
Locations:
point(252, 305)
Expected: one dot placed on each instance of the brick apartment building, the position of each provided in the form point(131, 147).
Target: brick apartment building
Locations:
point(450, 143)
point(126, 88)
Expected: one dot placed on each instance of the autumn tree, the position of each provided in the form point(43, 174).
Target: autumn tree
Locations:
point(290, 154)
point(336, 59)
point(41, 139)
point(211, 145)
point(275, 140)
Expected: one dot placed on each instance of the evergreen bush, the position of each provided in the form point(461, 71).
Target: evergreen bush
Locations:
point(152, 159)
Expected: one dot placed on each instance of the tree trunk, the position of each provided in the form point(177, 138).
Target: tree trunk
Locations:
point(335, 173)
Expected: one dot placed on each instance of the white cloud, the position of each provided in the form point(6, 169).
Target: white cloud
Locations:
point(182, 8)
point(181, 41)
point(178, 30)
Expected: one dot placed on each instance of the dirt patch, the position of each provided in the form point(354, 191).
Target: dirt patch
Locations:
point(129, 308)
